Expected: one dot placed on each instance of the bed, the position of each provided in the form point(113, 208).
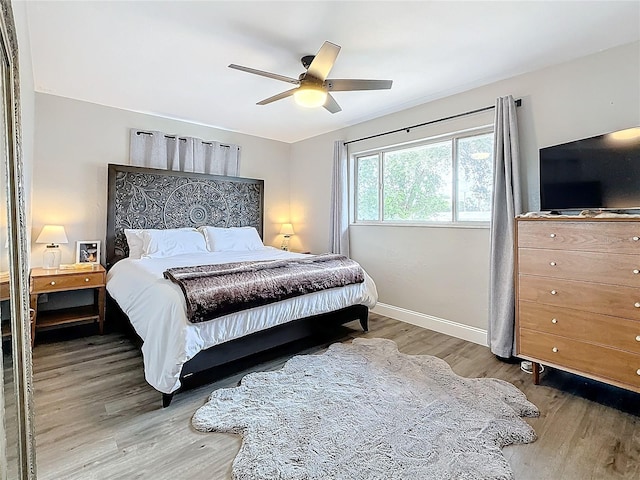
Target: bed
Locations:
point(175, 349)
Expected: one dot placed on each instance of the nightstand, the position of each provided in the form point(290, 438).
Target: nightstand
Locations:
point(4, 296)
point(50, 281)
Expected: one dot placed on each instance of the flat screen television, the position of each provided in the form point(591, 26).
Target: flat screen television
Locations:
point(601, 172)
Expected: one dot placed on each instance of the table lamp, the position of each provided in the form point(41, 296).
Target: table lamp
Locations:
point(52, 235)
point(287, 231)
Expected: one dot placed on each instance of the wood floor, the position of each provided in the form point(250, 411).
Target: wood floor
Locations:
point(97, 418)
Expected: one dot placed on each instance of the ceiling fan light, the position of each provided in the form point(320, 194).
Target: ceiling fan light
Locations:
point(627, 134)
point(310, 97)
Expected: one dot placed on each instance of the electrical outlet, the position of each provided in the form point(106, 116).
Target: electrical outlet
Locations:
point(43, 298)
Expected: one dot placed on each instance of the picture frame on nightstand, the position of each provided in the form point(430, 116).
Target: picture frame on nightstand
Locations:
point(88, 251)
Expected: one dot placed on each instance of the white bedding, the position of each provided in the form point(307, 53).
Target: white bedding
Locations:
point(156, 308)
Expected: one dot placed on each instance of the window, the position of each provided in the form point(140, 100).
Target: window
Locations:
point(442, 180)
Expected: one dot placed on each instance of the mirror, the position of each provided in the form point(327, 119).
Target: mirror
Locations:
point(17, 443)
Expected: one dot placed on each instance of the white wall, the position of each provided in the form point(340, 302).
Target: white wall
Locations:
point(74, 142)
point(427, 272)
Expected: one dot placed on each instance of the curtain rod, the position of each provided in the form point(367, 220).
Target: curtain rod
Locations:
point(183, 139)
point(407, 129)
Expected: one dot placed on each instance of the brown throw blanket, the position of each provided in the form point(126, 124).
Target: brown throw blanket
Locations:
point(212, 291)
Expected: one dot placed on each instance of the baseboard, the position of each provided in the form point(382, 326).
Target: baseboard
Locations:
point(455, 329)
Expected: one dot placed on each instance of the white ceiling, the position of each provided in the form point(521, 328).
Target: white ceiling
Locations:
point(170, 58)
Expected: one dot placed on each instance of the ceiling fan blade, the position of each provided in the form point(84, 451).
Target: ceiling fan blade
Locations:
point(323, 61)
point(332, 105)
point(262, 73)
point(279, 96)
point(342, 85)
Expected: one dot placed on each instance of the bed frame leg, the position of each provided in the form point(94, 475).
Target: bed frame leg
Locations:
point(362, 314)
point(166, 399)
point(364, 322)
point(364, 319)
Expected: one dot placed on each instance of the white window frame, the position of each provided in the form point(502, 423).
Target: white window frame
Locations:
point(453, 137)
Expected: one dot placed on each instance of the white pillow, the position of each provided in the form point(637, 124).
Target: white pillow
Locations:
point(167, 243)
point(232, 239)
point(134, 240)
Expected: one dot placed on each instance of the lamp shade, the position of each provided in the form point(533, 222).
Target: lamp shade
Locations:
point(310, 96)
point(286, 229)
point(52, 234)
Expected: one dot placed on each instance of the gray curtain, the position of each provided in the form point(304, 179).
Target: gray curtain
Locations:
point(185, 154)
point(339, 229)
point(506, 204)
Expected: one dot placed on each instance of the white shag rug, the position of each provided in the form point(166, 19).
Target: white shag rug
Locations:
point(364, 411)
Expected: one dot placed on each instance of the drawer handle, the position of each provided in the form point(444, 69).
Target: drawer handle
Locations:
point(638, 371)
point(86, 279)
point(637, 305)
point(553, 264)
point(554, 292)
point(636, 271)
point(52, 283)
point(638, 338)
point(553, 235)
point(635, 239)
point(554, 320)
point(554, 349)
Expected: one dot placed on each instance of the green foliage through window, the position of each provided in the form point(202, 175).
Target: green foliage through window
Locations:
point(436, 181)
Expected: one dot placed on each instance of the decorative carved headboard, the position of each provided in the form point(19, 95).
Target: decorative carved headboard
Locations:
point(150, 198)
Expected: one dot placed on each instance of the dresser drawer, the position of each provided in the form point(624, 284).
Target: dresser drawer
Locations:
point(593, 236)
point(4, 290)
point(617, 269)
point(604, 362)
point(54, 283)
point(588, 327)
point(611, 300)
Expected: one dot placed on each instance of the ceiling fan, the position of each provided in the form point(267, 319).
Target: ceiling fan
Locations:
point(313, 86)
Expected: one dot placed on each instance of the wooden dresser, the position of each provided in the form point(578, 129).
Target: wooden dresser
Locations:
point(578, 296)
